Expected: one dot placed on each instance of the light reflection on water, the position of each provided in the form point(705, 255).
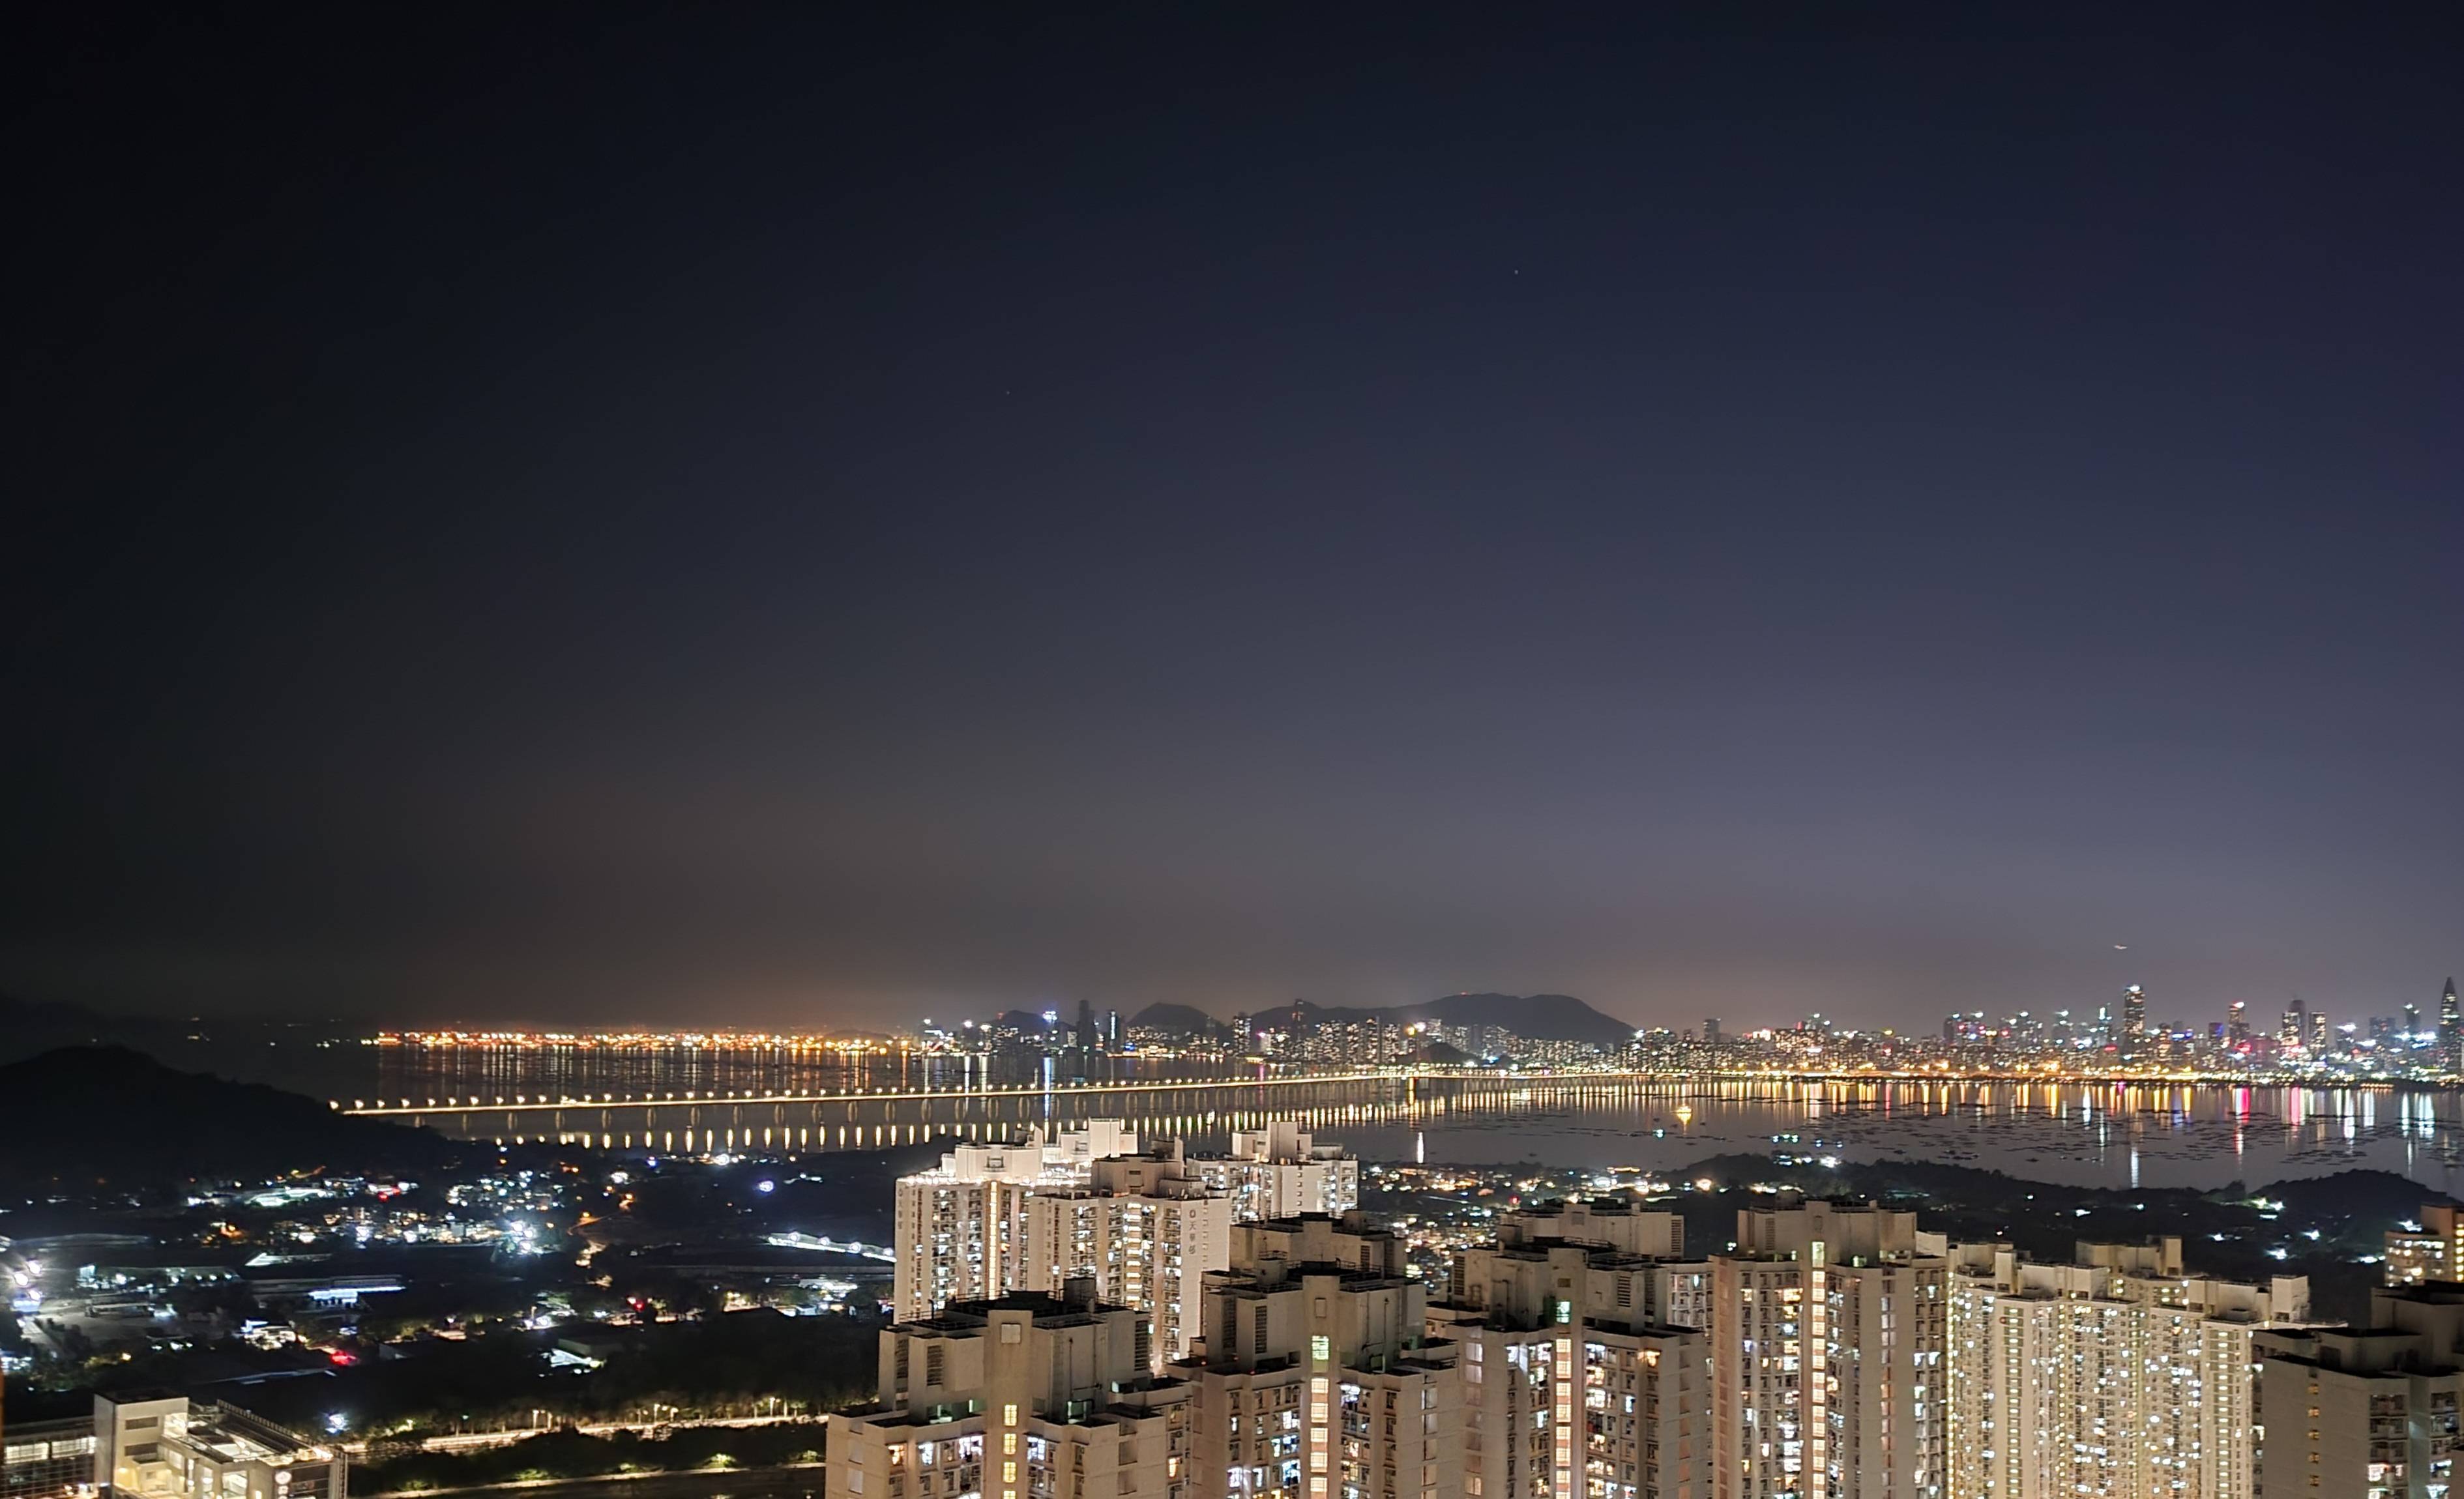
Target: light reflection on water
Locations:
point(2095, 1133)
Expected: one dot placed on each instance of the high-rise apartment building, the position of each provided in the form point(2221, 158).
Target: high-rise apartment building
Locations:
point(1639, 1272)
point(1144, 1229)
point(2117, 1375)
point(1315, 1378)
point(1575, 1384)
point(1028, 1214)
point(1027, 1396)
point(1830, 1331)
point(2429, 1249)
point(961, 1227)
point(1282, 1172)
point(2373, 1413)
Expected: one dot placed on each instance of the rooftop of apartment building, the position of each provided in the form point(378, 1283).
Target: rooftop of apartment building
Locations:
point(1275, 1249)
point(1562, 1207)
point(2415, 1330)
point(1596, 1256)
point(1084, 1413)
point(1284, 1140)
point(1107, 1393)
point(2151, 1270)
point(2375, 1352)
point(1160, 1171)
point(1076, 1306)
point(2155, 1256)
point(1254, 1282)
point(1059, 1154)
point(1611, 1223)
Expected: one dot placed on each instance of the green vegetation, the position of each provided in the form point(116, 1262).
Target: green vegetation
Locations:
point(146, 1129)
point(742, 1363)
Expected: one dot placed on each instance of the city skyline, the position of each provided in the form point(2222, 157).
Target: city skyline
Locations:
point(2117, 1014)
point(590, 514)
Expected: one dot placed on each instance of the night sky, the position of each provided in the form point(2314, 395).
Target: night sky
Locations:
point(791, 517)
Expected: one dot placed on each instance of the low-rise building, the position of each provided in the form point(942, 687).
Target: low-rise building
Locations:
point(47, 1460)
point(158, 1443)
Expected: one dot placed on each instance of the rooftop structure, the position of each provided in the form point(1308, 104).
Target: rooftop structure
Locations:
point(1027, 1396)
point(158, 1443)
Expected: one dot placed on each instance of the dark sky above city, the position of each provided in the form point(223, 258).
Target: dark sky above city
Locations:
point(732, 515)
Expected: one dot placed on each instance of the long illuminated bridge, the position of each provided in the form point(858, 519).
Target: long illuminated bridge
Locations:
point(797, 1121)
point(520, 1103)
point(1746, 1109)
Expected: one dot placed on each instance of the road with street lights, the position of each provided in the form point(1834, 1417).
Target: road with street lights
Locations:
point(800, 1482)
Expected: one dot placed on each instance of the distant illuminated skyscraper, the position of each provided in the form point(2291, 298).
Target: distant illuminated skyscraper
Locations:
point(2134, 1020)
point(2237, 1022)
point(2450, 1027)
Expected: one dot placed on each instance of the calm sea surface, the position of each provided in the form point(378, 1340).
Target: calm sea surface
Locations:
point(2089, 1134)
